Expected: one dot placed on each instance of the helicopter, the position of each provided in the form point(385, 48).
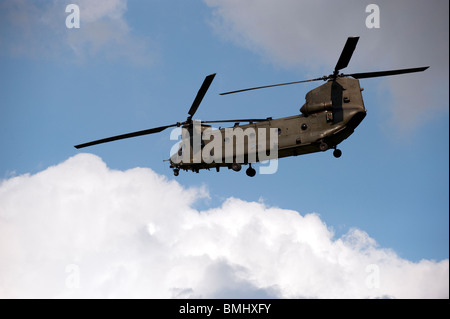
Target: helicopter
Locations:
point(330, 114)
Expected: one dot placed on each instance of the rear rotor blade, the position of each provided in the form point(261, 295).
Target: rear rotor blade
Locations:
point(366, 75)
point(346, 53)
point(272, 85)
point(201, 93)
point(128, 135)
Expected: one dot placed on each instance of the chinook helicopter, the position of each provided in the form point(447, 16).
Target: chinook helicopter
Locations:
point(330, 114)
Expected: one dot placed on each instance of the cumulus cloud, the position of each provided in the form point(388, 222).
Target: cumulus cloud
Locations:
point(80, 229)
point(309, 35)
point(38, 30)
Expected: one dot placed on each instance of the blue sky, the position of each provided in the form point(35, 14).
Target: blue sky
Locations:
point(138, 64)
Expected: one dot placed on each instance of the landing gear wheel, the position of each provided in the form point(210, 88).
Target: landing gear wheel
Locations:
point(323, 146)
point(236, 167)
point(250, 171)
point(337, 153)
point(176, 172)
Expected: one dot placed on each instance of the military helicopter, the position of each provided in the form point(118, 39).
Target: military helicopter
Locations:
point(329, 115)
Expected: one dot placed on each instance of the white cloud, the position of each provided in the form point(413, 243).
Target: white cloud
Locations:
point(79, 229)
point(310, 35)
point(39, 31)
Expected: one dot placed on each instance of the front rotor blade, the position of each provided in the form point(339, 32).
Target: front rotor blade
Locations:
point(201, 93)
point(272, 85)
point(128, 135)
point(365, 75)
point(346, 54)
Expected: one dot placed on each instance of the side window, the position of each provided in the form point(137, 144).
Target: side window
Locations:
point(329, 117)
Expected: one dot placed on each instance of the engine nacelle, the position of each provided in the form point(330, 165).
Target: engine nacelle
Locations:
point(310, 108)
